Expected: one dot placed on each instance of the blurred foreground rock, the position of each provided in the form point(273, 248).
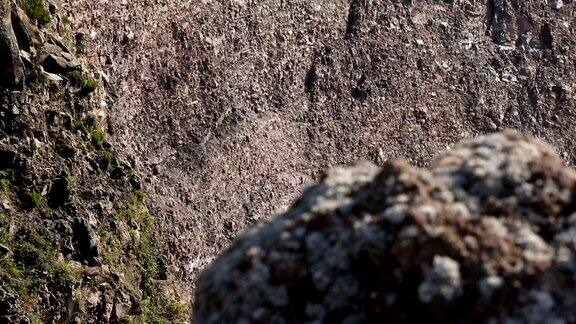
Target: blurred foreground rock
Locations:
point(488, 232)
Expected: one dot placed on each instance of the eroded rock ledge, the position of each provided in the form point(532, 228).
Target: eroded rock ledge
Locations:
point(488, 232)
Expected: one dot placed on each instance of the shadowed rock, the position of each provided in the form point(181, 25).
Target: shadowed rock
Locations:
point(27, 34)
point(488, 232)
point(11, 67)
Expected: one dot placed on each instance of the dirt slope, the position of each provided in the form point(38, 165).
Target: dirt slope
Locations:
point(230, 107)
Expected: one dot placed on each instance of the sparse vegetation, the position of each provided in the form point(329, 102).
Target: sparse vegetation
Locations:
point(136, 206)
point(34, 318)
point(36, 199)
point(107, 159)
point(97, 137)
point(16, 281)
point(48, 213)
point(65, 274)
point(112, 253)
point(34, 263)
point(85, 125)
point(139, 261)
point(76, 78)
point(159, 308)
point(34, 251)
point(4, 186)
point(65, 32)
point(145, 248)
point(49, 266)
point(156, 306)
point(38, 10)
point(89, 86)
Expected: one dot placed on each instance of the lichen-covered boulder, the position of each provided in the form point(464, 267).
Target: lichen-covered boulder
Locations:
point(488, 232)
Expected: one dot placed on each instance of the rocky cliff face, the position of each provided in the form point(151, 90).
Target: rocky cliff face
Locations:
point(220, 112)
point(230, 107)
point(486, 234)
point(77, 241)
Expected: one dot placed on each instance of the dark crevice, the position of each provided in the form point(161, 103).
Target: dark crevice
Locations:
point(499, 21)
point(490, 8)
point(59, 193)
point(310, 82)
point(81, 239)
point(353, 22)
point(546, 38)
point(360, 92)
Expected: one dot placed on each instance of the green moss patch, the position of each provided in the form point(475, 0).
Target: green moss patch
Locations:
point(38, 10)
point(33, 264)
point(89, 85)
point(35, 199)
point(97, 138)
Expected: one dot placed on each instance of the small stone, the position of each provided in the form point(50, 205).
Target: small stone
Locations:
point(122, 306)
point(93, 298)
point(489, 285)
point(55, 64)
point(105, 269)
point(48, 49)
point(58, 64)
point(86, 242)
point(8, 158)
point(107, 311)
point(37, 143)
point(25, 56)
point(491, 126)
point(130, 35)
point(508, 77)
point(117, 173)
point(56, 41)
point(535, 249)
point(409, 232)
point(443, 280)
point(557, 4)
point(67, 56)
point(395, 214)
point(52, 78)
point(92, 271)
point(6, 205)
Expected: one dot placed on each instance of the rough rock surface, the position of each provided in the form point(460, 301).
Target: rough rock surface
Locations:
point(77, 242)
point(230, 107)
point(488, 232)
point(11, 67)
